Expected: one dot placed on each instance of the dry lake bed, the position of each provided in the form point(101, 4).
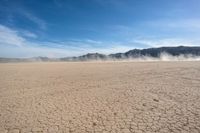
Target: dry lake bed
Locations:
point(88, 97)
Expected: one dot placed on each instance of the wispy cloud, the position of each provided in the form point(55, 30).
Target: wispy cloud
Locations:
point(168, 42)
point(114, 3)
point(184, 24)
point(14, 44)
point(28, 34)
point(10, 37)
point(40, 22)
point(58, 3)
point(12, 11)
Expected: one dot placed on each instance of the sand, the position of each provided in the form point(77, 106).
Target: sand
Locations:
point(123, 97)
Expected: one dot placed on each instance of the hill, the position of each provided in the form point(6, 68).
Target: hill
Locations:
point(134, 54)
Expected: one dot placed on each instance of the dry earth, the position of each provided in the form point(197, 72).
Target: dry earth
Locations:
point(121, 97)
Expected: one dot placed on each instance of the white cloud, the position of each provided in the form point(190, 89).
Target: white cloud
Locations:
point(10, 37)
point(14, 43)
point(93, 41)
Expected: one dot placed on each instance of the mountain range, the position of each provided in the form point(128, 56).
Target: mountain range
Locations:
point(131, 54)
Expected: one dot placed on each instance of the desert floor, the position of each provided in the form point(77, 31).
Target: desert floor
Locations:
point(100, 97)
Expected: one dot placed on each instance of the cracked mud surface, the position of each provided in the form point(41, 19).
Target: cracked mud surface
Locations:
point(123, 97)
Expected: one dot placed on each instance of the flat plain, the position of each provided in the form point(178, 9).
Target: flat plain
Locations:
point(116, 97)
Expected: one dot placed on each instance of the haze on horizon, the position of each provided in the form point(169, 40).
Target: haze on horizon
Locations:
point(60, 28)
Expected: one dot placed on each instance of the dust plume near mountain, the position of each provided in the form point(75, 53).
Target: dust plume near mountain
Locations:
point(180, 53)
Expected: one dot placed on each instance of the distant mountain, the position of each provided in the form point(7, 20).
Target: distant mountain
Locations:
point(33, 59)
point(138, 53)
point(89, 56)
point(135, 53)
point(156, 52)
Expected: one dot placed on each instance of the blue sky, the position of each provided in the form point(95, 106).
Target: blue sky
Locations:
point(59, 28)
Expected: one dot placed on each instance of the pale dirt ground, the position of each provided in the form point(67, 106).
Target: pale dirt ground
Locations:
point(100, 97)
